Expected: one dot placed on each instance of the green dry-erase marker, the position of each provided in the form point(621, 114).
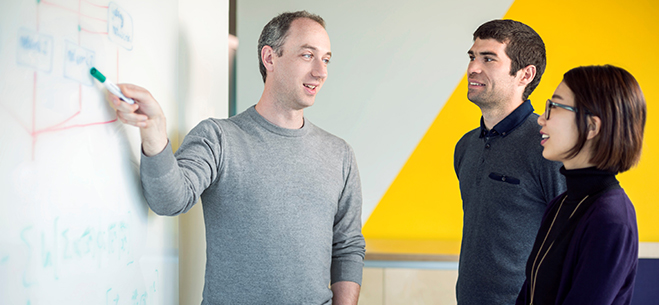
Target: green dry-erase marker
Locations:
point(110, 86)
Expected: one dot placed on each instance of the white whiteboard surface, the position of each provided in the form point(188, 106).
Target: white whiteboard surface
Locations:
point(74, 227)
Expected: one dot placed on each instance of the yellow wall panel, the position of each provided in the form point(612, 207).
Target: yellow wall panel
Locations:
point(424, 201)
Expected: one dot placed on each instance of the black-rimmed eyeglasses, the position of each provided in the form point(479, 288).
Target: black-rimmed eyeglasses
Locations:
point(551, 105)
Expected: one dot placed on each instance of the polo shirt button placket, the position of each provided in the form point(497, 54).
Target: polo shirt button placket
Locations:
point(485, 152)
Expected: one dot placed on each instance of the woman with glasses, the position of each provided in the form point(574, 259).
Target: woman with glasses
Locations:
point(586, 250)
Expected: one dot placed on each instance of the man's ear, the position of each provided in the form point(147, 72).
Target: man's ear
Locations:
point(526, 74)
point(594, 126)
point(267, 57)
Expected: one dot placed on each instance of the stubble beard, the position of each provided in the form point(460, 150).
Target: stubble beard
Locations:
point(289, 97)
point(488, 103)
point(482, 100)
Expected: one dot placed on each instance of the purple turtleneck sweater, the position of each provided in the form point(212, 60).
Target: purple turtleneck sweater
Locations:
point(593, 245)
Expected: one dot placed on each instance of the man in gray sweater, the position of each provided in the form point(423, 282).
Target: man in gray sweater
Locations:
point(505, 183)
point(281, 197)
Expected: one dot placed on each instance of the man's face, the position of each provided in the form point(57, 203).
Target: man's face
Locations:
point(490, 82)
point(301, 70)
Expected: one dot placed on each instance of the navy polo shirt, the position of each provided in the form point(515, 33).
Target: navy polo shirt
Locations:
point(505, 186)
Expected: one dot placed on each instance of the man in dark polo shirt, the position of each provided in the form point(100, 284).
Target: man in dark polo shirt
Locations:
point(505, 183)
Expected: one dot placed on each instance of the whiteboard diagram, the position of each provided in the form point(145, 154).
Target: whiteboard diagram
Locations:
point(73, 55)
point(74, 227)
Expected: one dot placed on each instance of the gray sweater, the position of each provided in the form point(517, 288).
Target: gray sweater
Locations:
point(282, 208)
point(505, 185)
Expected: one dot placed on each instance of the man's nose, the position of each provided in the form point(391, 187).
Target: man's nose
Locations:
point(319, 69)
point(473, 68)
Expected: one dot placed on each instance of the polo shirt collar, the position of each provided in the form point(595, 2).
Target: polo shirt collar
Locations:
point(508, 124)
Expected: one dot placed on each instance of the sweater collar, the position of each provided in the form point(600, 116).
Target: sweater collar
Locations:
point(300, 132)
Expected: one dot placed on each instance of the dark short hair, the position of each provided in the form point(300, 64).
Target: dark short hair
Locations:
point(613, 95)
point(275, 32)
point(523, 46)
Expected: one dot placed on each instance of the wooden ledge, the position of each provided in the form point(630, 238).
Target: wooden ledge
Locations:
point(412, 250)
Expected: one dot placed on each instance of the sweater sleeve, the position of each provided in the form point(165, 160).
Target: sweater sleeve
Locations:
point(172, 183)
point(348, 246)
point(608, 254)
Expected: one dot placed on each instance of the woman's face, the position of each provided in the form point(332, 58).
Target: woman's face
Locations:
point(559, 132)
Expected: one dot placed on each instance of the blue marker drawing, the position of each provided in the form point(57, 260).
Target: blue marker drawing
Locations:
point(77, 62)
point(45, 255)
point(120, 26)
point(116, 13)
point(56, 222)
point(154, 282)
point(35, 50)
point(29, 255)
point(107, 298)
point(142, 299)
point(65, 252)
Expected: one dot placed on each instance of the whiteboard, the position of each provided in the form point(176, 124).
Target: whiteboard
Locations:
point(74, 226)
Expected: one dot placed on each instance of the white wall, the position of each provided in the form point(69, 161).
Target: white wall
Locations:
point(203, 92)
point(394, 64)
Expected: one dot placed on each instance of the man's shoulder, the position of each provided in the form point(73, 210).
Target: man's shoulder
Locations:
point(469, 136)
point(525, 146)
point(528, 131)
point(476, 131)
point(225, 124)
point(325, 136)
point(531, 122)
point(206, 126)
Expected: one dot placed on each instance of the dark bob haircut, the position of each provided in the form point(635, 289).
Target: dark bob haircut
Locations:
point(523, 46)
point(613, 95)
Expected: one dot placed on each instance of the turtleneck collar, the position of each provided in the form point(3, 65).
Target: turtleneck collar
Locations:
point(586, 181)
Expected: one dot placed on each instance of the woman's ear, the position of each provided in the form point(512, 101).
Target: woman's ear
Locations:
point(594, 125)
